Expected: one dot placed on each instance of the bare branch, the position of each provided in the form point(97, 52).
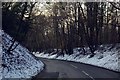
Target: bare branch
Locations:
point(115, 6)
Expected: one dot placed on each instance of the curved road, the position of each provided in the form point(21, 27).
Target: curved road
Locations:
point(66, 69)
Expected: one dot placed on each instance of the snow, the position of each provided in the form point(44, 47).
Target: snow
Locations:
point(105, 57)
point(0, 54)
point(19, 64)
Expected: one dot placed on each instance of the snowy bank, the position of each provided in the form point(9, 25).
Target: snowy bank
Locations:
point(106, 56)
point(19, 64)
point(0, 54)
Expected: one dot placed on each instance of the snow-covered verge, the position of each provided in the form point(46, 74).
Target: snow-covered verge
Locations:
point(0, 54)
point(20, 64)
point(106, 56)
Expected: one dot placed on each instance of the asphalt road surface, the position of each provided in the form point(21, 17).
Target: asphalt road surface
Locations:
point(65, 69)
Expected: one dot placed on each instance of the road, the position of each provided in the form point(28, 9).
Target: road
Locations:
point(66, 69)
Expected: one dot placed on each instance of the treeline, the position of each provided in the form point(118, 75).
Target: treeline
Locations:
point(62, 25)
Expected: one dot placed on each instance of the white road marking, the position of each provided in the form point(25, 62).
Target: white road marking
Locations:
point(73, 66)
point(88, 75)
